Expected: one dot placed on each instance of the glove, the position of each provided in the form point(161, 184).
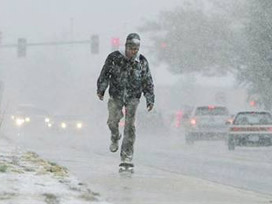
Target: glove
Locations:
point(100, 96)
point(150, 107)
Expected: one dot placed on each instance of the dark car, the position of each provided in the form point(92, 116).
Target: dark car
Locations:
point(250, 128)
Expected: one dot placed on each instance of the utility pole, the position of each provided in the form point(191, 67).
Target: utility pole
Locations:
point(94, 44)
point(21, 47)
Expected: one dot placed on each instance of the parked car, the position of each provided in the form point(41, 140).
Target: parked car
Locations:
point(250, 128)
point(207, 123)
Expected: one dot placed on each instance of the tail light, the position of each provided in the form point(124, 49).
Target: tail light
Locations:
point(229, 121)
point(236, 129)
point(178, 118)
point(193, 121)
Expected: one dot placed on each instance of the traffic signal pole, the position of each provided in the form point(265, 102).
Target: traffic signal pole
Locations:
point(22, 45)
point(48, 43)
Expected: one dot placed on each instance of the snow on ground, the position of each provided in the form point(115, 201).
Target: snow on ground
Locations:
point(25, 178)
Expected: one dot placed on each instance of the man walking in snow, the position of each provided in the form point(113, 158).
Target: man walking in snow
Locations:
point(128, 75)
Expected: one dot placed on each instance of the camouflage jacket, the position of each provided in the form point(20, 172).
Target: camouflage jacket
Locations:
point(127, 79)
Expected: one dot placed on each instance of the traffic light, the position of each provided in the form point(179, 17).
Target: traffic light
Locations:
point(21, 47)
point(115, 43)
point(94, 44)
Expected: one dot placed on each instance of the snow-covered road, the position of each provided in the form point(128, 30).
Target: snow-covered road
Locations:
point(166, 170)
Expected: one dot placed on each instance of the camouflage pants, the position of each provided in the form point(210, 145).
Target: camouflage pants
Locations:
point(115, 108)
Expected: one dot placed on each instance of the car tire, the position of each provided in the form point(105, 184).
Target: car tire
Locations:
point(231, 145)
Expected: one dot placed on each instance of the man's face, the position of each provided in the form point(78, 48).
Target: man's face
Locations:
point(132, 50)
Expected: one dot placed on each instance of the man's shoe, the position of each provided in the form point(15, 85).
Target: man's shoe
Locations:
point(114, 146)
point(114, 143)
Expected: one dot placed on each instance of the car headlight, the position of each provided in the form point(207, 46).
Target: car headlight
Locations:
point(27, 119)
point(63, 125)
point(19, 121)
point(47, 120)
point(13, 117)
point(49, 124)
point(79, 125)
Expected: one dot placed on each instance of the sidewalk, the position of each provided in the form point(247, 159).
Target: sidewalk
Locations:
point(25, 178)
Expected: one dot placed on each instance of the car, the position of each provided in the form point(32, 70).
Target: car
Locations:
point(69, 124)
point(250, 128)
point(181, 116)
point(207, 123)
point(29, 117)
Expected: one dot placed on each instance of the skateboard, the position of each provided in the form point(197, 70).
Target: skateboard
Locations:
point(126, 167)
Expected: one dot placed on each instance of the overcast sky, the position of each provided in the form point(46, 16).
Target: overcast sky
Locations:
point(54, 19)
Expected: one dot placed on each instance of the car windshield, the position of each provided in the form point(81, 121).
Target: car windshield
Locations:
point(258, 118)
point(206, 111)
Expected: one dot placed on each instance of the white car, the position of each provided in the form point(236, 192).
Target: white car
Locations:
point(250, 128)
point(207, 123)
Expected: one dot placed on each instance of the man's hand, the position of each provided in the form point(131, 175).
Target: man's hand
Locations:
point(150, 107)
point(100, 96)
